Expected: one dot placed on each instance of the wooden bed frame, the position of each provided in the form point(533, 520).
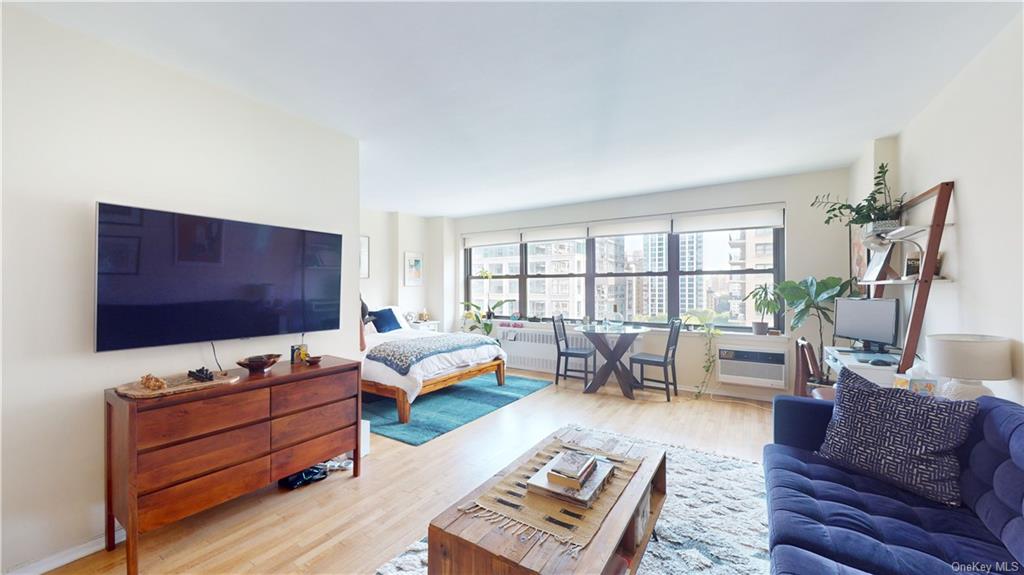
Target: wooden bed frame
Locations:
point(440, 382)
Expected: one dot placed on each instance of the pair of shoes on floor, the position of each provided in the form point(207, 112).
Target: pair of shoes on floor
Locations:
point(318, 472)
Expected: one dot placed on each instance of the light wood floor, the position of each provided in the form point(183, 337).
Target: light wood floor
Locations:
point(346, 525)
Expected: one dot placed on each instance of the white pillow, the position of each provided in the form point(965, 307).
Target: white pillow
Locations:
point(400, 316)
point(369, 328)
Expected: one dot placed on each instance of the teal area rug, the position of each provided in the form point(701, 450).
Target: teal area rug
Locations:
point(439, 412)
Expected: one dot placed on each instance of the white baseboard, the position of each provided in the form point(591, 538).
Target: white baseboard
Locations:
point(67, 556)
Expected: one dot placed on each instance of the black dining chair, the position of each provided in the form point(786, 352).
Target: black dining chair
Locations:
point(565, 352)
point(666, 362)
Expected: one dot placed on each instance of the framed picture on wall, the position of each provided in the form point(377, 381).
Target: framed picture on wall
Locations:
point(364, 256)
point(413, 269)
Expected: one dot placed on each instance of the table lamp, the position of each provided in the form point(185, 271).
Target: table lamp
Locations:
point(968, 360)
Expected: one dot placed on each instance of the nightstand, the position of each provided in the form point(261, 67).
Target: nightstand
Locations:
point(431, 325)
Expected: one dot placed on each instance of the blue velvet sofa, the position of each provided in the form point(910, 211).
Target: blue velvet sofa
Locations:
point(825, 520)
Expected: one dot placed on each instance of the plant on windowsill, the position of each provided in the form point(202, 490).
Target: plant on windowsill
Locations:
point(477, 318)
point(704, 321)
point(766, 301)
point(878, 213)
point(811, 297)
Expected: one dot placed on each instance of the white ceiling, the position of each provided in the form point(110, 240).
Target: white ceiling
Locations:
point(473, 108)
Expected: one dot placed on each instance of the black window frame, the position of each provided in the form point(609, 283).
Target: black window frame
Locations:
point(672, 275)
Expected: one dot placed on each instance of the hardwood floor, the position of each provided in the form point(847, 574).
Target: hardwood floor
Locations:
point(346, 525)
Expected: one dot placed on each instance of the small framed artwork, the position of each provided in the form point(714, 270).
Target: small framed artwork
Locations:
point(413, 269)
point(364, 256)
point(119, 255)
point(198, 240)
point(911, 267)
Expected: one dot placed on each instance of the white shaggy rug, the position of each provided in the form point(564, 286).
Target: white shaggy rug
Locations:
point(714, 521)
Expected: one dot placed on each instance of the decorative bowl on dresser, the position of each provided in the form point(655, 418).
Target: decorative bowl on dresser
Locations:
point(170, 457)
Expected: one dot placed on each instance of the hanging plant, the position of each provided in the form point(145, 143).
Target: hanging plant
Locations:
point(704, 320)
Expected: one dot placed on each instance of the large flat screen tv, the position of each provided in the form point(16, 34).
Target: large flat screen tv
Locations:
point(164, 278)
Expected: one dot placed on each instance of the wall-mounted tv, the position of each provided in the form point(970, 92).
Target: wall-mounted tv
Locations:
point(164, 278)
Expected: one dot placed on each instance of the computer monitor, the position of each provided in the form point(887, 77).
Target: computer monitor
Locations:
point(875, 322)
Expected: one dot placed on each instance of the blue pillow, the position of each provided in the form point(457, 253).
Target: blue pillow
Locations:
point(384, 320)
point(899, 436)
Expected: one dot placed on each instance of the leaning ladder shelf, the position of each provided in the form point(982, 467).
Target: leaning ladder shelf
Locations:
point(942, 195)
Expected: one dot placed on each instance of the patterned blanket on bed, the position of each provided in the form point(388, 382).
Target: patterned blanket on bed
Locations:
point(401, 355)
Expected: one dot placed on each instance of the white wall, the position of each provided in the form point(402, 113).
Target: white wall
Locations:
point(379, 289)
point(392, 234)
point(811, 247)
point(971, 134)
point(411, 236)
point(441, 275)
point(82, 122)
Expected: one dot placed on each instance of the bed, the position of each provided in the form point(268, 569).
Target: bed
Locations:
point(464, 358)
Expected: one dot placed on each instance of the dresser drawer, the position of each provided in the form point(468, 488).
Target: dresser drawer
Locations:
point(167, 505)
point(163, 467)
point(311, 392)
point(185, 420)
point(292, 429)
point(303, 455)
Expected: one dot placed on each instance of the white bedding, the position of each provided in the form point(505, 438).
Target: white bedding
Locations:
point(428, 368)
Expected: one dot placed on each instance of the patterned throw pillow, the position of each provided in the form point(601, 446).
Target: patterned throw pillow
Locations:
point(899, 436)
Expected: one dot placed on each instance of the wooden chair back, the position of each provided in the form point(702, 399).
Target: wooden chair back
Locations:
point(561, 341)
point(807, 368)
point(674, 328)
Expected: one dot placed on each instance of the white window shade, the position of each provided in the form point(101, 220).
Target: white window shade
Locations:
point(554, 233)
point(631, 226)
point(479, 239)
point(771, 216)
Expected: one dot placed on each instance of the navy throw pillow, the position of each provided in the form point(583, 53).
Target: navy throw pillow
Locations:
point(384, 320)
point(899, 436)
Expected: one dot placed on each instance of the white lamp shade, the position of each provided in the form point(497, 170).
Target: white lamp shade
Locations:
point(968, 356)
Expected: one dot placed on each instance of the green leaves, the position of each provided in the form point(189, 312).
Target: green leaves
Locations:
point(877, 206)
point(812, 296)
point(766, 300)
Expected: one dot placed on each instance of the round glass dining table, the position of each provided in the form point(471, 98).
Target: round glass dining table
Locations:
point(612, 342)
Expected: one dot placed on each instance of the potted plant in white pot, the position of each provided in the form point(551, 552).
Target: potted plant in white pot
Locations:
point(878, 213)
point(766, 301)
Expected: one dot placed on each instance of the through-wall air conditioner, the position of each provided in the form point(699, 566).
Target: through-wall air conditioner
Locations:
point(752, 366)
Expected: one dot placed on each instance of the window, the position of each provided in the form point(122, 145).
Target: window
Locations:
point(502, 265)
point(630, 275)
point(718, 269)
point(556, 278)
point(648, 278)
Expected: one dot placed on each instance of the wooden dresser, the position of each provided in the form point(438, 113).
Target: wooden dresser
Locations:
point(170, 457)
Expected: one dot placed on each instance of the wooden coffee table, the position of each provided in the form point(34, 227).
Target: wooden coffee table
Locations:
point(460, 544)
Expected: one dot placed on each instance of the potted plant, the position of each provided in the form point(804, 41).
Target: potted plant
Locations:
point(704, 320)
point(811, 297)
point(766, 301)
point(482, 321)
point(478, 318)
point(878, 213)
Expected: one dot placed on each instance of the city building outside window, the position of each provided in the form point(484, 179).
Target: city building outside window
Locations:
point(648, 277)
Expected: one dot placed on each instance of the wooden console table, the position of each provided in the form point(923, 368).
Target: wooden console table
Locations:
point(460, 544)
point(170, 457)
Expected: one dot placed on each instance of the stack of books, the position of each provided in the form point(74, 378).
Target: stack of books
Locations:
point(573, 477)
